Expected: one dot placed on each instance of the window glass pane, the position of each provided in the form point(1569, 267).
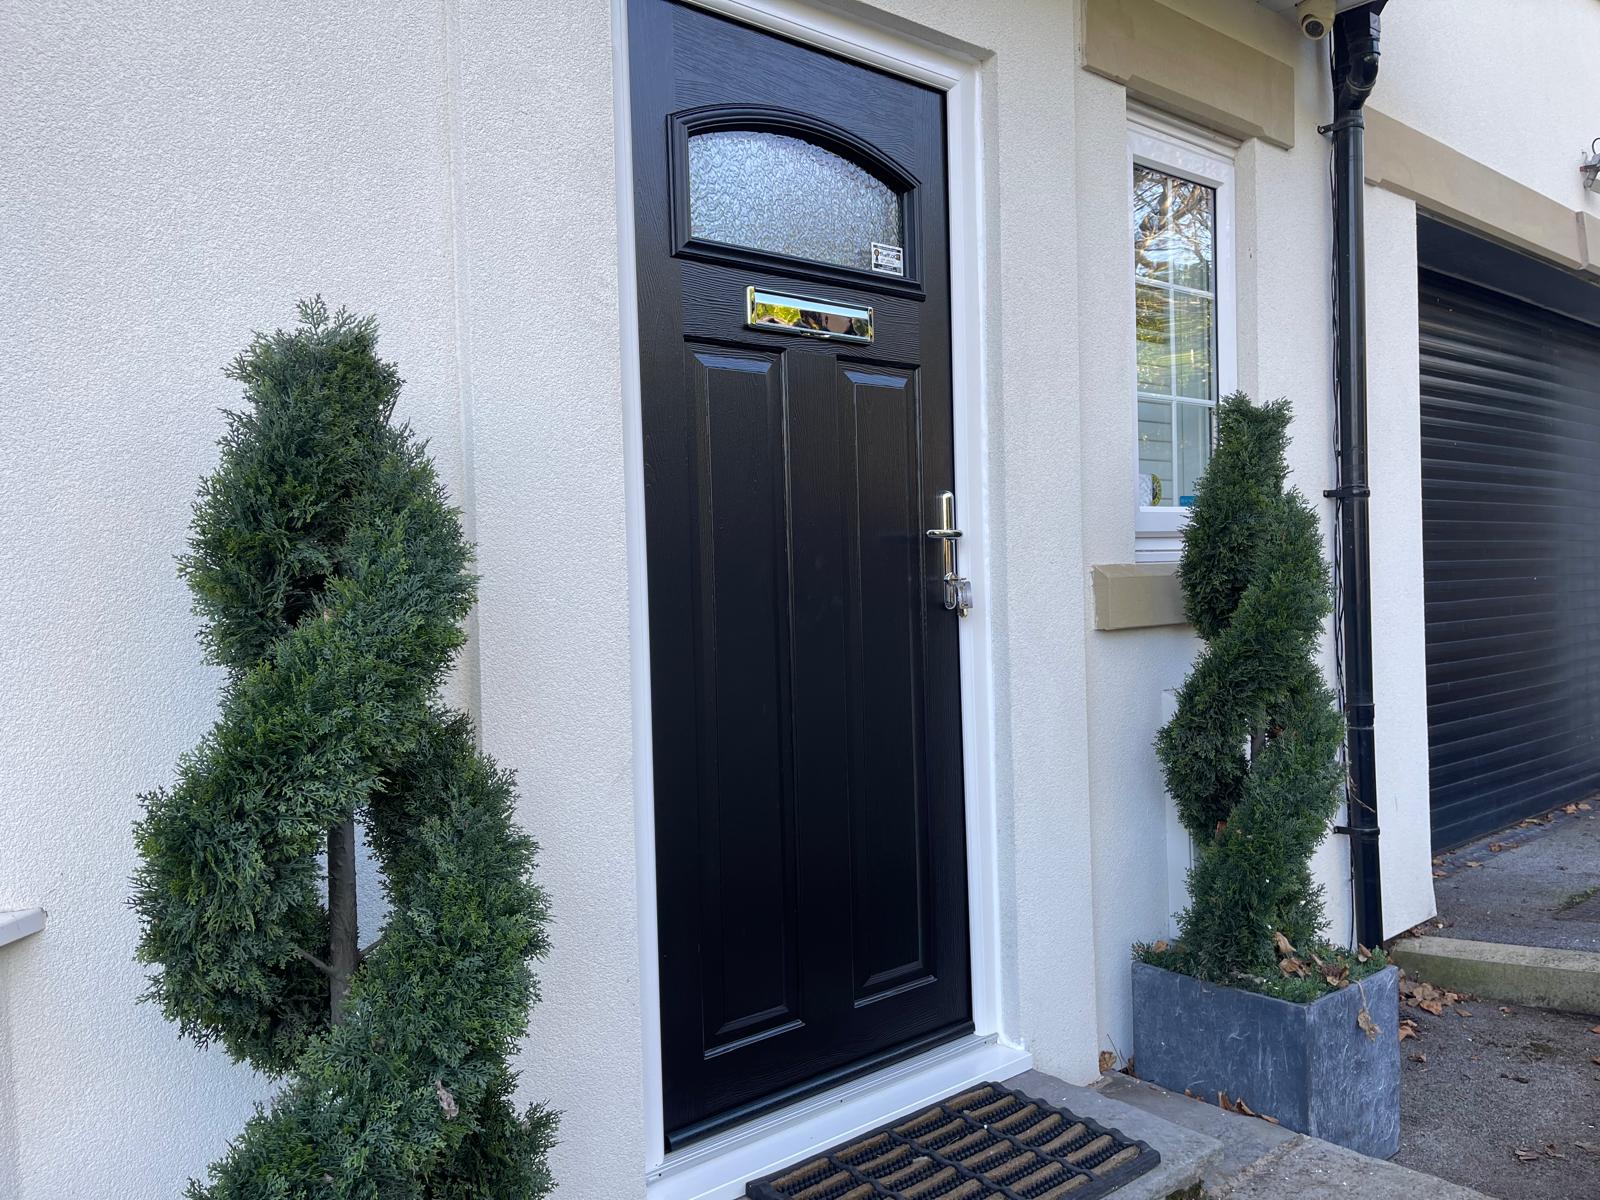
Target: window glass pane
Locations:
point(1153, 322)
point(1173, 229)
point(1193, 449)
point(788, 196)
point(1155, 452)
point(1193, 333)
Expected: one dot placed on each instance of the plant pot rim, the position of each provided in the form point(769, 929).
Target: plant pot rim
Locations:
point(1294, 1004)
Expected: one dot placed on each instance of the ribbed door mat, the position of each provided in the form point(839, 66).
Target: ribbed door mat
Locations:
point(989, 1143)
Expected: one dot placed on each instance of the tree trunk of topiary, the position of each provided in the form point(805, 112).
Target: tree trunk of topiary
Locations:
point(343, 933)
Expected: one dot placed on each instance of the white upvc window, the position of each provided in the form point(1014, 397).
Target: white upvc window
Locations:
point(1181, 217)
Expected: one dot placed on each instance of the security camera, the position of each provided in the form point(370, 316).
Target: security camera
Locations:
point(1315, 17)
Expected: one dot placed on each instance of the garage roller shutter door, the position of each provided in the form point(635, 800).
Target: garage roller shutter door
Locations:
point(1511, 542)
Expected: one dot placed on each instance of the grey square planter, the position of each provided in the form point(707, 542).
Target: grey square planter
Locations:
point(1308, 1065)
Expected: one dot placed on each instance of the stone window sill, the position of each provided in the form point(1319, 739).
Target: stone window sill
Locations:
point(1137, 596)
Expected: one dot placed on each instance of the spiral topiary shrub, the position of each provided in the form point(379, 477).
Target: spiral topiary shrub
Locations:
point(332, 577)
point(1251, 756)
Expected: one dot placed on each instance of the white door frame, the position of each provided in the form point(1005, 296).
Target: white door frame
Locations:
point(698, 1171)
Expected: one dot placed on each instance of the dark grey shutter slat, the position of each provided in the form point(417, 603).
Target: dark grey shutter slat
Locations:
point(1511, 549)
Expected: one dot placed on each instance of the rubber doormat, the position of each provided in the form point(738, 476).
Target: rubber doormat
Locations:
point(989, 1143)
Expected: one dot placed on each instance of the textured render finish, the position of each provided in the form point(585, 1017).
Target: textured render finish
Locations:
point(1188, 67)
point(540, 330)
point(1309, 1065)
point(1531, 116)
point(1136, 596)
point(173, 181)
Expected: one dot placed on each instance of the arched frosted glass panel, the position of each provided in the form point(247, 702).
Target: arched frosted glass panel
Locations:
point(768, 191)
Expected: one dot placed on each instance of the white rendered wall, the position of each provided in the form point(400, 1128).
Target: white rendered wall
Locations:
point(174, 180)
point(539, 268)
point(1513, 86)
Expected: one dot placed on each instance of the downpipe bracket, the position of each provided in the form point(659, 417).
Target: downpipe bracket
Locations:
point(1351, 120)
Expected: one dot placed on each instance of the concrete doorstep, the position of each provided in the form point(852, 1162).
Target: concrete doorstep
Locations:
point(1254, 1159)
point(1533, 976)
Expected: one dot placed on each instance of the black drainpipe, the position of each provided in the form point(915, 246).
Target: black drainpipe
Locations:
point(1354, 72)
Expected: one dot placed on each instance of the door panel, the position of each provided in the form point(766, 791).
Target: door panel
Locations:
point(751, 967)
point(805, 677)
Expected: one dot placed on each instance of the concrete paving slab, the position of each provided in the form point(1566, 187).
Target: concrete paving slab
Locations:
point(1261, 1160)
point(1187, 1155)
point(1533, 885)
point(1537, 976)
point(1309, 1169)
point(1244, 1139)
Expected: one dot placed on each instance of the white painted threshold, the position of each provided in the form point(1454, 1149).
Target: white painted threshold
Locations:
point(719, 1168)
point(18, 923)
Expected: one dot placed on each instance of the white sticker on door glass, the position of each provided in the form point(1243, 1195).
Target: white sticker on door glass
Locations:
point(888, 260)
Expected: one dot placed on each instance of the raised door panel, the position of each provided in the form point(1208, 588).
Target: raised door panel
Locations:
point(749, 936)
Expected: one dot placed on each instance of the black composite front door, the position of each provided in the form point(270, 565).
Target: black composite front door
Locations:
point(805, 682)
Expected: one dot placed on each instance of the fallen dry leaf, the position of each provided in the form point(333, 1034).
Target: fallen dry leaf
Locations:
point(1462, 1012)
point(1596, 1060)
point(1595, 1029)
point(1284, 945)
point(1108, 1061)
point(1293, 966)
point(1243, 1109)
point(1474, 864)
point(1408, 1028)
point(1418, 1058)
point(1591, 1147)
point(1526, 1156)
point(1367, 1025)
point(1505, 1010)
point(1362, 953)
point(1161, 946)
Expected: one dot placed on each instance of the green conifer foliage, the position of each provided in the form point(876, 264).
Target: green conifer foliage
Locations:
point(332, 576)
point(1251, 755)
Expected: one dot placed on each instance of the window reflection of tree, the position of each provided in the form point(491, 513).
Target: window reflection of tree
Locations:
point(1171, 216)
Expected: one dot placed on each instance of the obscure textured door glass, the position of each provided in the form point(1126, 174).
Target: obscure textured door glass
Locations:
point(768, 191)
point(1175, 305)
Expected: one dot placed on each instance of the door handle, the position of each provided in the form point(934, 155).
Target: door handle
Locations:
point(957, 587)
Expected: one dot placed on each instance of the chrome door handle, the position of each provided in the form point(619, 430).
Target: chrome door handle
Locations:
point(957, 587)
